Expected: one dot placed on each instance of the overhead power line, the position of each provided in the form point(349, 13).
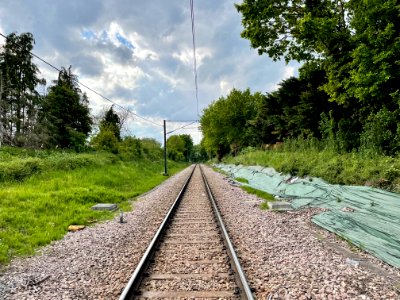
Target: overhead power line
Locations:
point(182, 127)
point(194, 54)
point(92, 90)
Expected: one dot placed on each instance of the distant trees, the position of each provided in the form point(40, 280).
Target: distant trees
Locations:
point(109, 134)
point(180, 147)
point(112, 122)
point(226, 123)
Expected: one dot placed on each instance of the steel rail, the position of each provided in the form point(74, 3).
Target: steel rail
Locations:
point(239, 274)
point(134, 281)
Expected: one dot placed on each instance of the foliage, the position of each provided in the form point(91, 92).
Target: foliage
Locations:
point(180, 147)
point(314, 158)
point(18, 165)
point(65, 114)
point(299, 29)
point(355, 45)
point(294, 109)
point(111, 121)
point(130, 149)
point(225, 123)
point(105, 140)
point(382, 132)
point(19, 100)
point(151, 149)
point(199, 153)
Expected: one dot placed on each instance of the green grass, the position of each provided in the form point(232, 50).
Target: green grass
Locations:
point(240, 179)
point(348, 168)
point(17, 164)
point(264, 195)
point(39, 209)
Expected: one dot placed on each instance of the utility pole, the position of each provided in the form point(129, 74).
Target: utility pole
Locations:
point(165, 149)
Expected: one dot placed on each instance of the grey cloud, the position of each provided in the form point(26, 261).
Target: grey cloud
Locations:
point(163, 27)
point(88, 65)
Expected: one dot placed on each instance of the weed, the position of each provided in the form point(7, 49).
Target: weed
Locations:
point(241, 179)
point(310, 159)
point(264, 195)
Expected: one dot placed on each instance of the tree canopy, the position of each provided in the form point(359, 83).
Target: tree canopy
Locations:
point(65, 113)
point(353, 48)
point(356, 41)
point(180, 147)
point(19, 102)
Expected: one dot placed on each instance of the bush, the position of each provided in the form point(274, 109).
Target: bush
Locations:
point(382, 133)
point(18, 170)
point(130, 149)
point(105, 140)
point(20, 166)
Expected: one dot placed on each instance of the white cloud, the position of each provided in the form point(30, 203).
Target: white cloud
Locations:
point(225, 87)
point(141, 55)
point(172, 80)
point(186, 55)
point(288, 72)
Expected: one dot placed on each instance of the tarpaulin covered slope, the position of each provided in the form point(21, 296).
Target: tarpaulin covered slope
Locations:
point(366, 216)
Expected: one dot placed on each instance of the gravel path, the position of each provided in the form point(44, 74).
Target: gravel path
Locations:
point(284, 255)
point(92, 263)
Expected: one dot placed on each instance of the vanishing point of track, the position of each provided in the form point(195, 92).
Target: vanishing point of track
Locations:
point(190, 256)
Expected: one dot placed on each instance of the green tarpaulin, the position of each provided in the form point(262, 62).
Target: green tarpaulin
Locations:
point(366, 216)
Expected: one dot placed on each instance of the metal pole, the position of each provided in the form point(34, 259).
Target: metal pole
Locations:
point(165, 148)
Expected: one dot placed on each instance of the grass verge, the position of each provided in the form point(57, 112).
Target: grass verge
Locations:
point(264, 195)
point(241, 179)
point(348, 168)
point(39, 210)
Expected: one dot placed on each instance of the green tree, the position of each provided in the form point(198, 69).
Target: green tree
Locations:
point(109, 135)
point(20, 101)
point(65, 113)
point(105, 140)
point(375, 66)
point(188, 144)
point(357, 43)
point(297, 29)
point(112, 121)
point(130, 148)
point(176, 148)
point(225, 123)
point(199, 153)
point(151, 148)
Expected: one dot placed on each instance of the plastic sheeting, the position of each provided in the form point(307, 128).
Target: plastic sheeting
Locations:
point(366, 216)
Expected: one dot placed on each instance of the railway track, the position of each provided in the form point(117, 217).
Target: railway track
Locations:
point(190, 256)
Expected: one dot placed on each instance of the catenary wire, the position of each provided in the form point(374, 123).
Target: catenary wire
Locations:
point(182, 127)
point(92, 90)
point(194, 54)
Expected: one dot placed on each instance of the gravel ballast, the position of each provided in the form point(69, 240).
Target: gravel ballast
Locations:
point(283, 255)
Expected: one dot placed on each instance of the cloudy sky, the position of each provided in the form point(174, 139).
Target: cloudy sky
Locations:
point(139, 54)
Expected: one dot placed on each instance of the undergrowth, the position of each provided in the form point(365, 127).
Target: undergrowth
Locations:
point(264, 195)
point(355, 168)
